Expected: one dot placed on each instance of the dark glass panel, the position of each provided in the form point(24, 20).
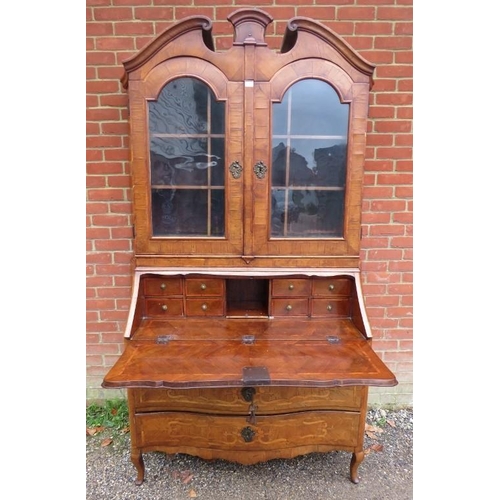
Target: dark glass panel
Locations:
point(310, 129)
point(331, 165)
point(217, 162)
point(280, 116)
point(185, 153)
point(218, 121)
point(178, 212)
point(218, 212)
point(278, 212)
point(290, 167)
point(307, 213)
point(181, 108)
point(279, 163)
point(316, 109)
point(172, 164)
point(309, 162)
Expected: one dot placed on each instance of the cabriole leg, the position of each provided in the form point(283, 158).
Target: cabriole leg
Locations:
point(138, 462)
point(356, 459)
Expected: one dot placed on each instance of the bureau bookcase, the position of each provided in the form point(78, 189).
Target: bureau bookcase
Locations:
point(247, 337)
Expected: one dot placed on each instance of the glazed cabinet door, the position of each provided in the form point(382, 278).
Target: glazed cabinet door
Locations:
point(186, 135)
point(314, 152)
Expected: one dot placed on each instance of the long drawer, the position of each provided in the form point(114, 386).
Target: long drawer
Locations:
point(191, 430)
point(269, 400)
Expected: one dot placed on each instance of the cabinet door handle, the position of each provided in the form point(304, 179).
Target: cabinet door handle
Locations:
point(260, 170)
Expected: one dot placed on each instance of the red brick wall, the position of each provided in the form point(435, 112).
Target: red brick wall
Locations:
point(381, 31)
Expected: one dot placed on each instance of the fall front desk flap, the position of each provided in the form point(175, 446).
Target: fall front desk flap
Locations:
point(237, 352)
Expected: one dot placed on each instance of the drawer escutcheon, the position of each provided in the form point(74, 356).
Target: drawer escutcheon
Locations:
point(248, 393)
point(247, 433)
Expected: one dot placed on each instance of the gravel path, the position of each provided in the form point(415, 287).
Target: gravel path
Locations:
point(385, 474)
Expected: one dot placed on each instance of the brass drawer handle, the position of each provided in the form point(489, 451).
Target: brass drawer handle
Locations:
point(331, 287)
point(291, 287)
point(288, 307)
point(164, 307)
point(163, 286)
point(204, 307)
point(203, 286)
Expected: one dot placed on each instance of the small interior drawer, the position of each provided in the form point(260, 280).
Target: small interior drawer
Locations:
point(338, 308)
point(289, 307)
point(326, 287)
point(200, 287)
point(291, 287)
point(159, 285)
point(204, 307)
point(157, 307)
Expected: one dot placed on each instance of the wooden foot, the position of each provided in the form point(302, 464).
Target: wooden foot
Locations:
point(356, 459)
point(138, 462)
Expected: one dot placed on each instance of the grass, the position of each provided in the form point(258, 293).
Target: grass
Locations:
point(112, 414)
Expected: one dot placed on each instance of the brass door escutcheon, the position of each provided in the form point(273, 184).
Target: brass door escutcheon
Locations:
point(260, 170)
point(235, 168)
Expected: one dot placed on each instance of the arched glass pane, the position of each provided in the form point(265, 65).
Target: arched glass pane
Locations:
point(309, 162)
point(187, 148)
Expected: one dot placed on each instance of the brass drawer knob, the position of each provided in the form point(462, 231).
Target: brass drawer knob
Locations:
point(331, 287)
point(204, 307)
point(163, 286)
point(288, 307)
point(203, 286)
point(164, 307)
point(328, 307)
point(290, 287)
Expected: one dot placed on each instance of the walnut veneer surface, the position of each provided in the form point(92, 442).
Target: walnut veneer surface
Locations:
point(214, 353)
point(247, 337)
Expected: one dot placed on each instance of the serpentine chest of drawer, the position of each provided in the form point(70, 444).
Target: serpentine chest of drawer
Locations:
point(247, 337)
point(283, 372)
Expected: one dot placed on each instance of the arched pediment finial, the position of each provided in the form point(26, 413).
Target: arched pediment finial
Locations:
point(249, 26)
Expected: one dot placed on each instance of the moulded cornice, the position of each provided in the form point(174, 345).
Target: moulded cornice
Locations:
point(308, 25)
point(188, 24)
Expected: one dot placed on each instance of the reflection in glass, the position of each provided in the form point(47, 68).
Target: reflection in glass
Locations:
point(188, 212)
point(187, 148)
point(309, 161)
point(306, 213)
